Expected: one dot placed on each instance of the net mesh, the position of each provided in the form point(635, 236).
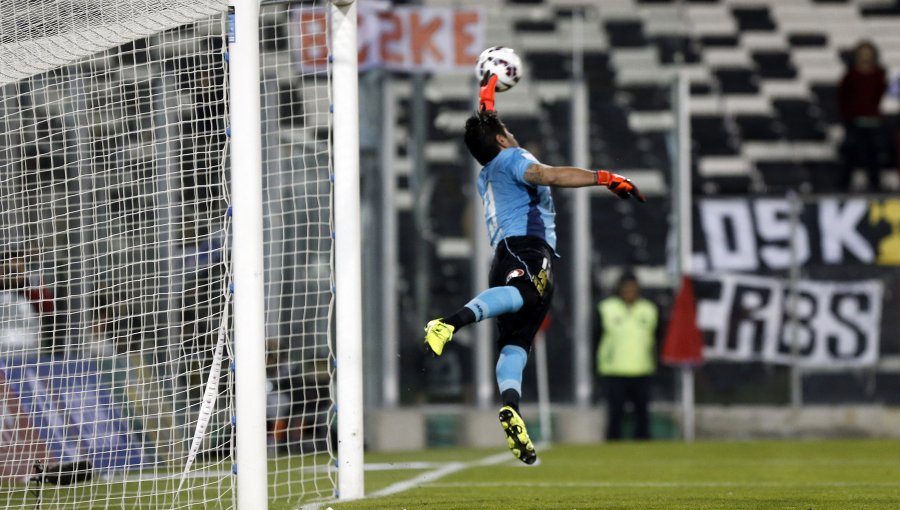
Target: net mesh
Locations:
point(296, 128)
point(114, 218)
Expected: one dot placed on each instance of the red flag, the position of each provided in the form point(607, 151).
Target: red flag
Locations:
point(683, 344)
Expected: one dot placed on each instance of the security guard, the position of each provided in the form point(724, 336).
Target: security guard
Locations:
point(626, 357)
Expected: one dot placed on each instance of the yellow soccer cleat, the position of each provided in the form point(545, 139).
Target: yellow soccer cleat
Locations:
point(437, 334)
point(516, 435)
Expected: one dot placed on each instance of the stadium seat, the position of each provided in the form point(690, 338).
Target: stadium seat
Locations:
point(646, 97)
point(796, 116)
point(671, 47)
point(780, 176)
point(753, 19)
point(757, 127)
point(774, 65)
point(625, 34)
point(549, 66)
point(735, 80)
point(710, 136)
point(806, 40)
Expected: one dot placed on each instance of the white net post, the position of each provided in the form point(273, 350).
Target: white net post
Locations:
point(247, 253)
point(348, 264)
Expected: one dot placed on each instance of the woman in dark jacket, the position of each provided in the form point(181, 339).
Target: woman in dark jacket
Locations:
point(859, 98)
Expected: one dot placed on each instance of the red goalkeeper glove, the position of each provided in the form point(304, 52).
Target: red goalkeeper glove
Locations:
point(619, 185)
point(486, 95)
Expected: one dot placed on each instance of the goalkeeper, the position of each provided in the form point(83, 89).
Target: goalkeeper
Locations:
point(518, 209)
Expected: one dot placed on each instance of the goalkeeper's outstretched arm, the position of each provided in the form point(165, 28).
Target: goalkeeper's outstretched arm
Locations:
point(574, 177)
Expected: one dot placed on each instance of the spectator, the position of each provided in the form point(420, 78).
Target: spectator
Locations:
point(99, 339)
point(15, 276)
point(859, 98)
point(626, 358)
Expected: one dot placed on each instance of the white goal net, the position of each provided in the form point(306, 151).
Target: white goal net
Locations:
point(116, 388)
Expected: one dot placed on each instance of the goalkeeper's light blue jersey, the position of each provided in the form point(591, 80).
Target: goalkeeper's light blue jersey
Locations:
point(512, 206)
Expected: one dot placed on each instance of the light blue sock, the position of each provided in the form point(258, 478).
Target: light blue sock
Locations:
point(509, 368)
point(495, 301)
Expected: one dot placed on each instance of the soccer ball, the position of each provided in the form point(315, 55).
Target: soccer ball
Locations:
point(504, 63)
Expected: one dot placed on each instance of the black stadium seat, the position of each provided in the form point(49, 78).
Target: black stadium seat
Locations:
point(719, 41)
point(446, 205)
point(598, 72)
point(710, 136)
point(737, 80)
point(825, 175)
point(549, 66)
point(700, 89)
point(647, 97)
point(625, 34)
point(654, 147)
point(757, 127)
point(780, 176)
point(726, 185)
point(808, 40)
point(544, 25)
point(797, 118)
point(671, 46)
point(774, 64)
point(609, 122)
point(754, 19)
point(825, 96)
point(881, 10)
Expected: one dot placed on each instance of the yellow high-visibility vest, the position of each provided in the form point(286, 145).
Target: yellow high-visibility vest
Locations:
point(627, 345)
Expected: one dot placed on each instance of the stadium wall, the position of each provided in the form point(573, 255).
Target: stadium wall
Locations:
point(435, 426)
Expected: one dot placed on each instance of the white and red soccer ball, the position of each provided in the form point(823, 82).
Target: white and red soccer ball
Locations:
point(503, 62)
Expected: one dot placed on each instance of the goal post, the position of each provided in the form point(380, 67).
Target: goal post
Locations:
point(247, 253)
point(348, 265)
point(174, 307)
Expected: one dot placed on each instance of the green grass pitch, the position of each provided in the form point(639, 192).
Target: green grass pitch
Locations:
point(759, 475)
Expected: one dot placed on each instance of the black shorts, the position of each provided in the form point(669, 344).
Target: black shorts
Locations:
point(525, 262)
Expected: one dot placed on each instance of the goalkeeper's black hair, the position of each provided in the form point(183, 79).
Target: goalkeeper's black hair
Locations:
point(482, 129)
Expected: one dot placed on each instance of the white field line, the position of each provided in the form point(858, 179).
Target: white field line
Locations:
point(665, 484)
point(395, 466)
point(431, 476)
point(423, 479)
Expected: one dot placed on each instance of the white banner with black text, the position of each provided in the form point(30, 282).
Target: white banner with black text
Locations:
point(743, 234)
point(748, 318)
